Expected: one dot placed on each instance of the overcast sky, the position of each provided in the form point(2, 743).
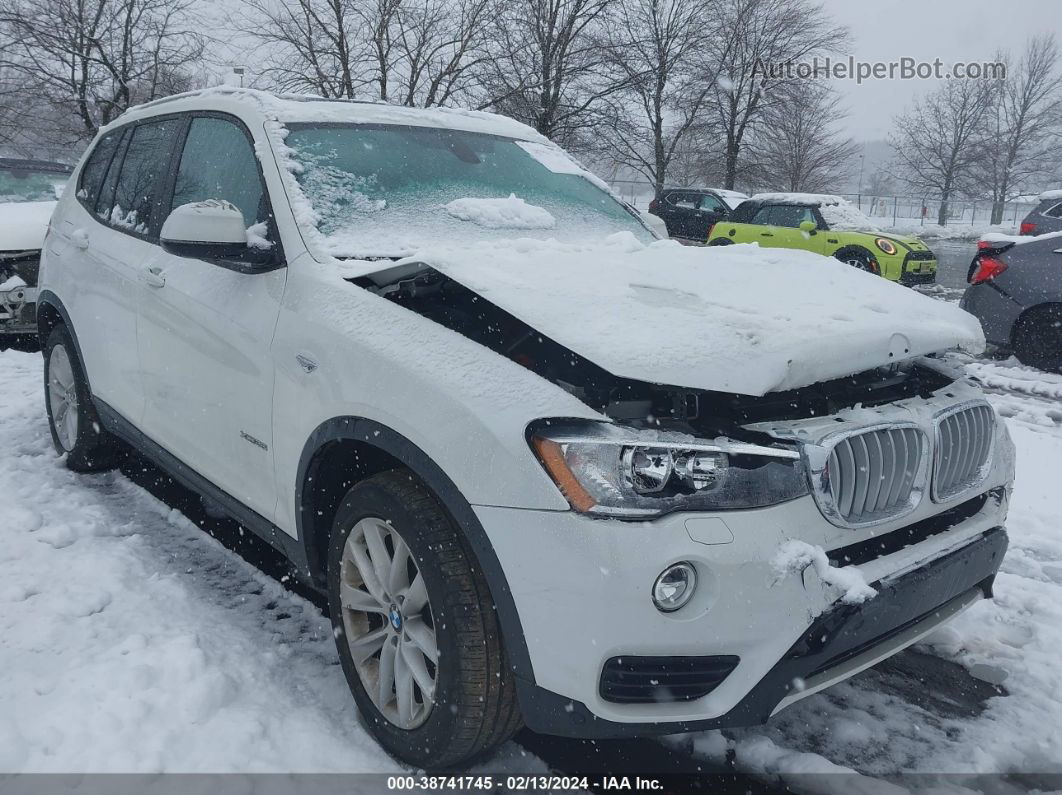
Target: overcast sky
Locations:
point(952, 30)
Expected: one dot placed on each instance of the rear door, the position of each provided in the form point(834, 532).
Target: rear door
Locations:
point(107, 243)
point(206, 331)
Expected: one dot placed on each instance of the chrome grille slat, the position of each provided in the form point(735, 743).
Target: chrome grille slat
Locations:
point(964, 443)
point(874, 475)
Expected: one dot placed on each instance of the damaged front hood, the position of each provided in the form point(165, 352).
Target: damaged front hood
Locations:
point(736, 319)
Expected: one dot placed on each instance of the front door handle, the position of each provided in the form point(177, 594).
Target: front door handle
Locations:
point(152, 276)
point(766, 234)
point(80, 238)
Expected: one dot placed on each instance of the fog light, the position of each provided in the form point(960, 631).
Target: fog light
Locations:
point(674, 587)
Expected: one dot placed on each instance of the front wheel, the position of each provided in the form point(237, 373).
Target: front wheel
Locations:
point(721, 241)
point(859, 259)
point(75, 426)
point(415, 626)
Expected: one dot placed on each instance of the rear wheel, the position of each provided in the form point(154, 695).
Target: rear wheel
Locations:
point(75, 426)
point(415, 626)
point(1037, 339)
point(721, 241)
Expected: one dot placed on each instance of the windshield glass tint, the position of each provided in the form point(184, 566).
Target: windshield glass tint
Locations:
point(19, 185)
point(390, 190)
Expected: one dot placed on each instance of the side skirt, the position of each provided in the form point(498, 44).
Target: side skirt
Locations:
point(289, 547)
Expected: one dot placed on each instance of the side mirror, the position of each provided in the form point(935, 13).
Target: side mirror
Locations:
point(809, 226)
point(213, 230)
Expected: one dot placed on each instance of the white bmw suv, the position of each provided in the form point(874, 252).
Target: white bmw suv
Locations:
point(549, 470)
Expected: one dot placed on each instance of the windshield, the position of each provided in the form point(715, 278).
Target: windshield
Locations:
point(28, 185)
point(846, 217)
point(388, 190)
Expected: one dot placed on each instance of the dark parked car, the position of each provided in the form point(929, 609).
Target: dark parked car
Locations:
point(1046, 216)
point(1016, 292)
point(691, 212)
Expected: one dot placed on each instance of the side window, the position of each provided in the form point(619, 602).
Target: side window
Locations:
point(1054, 212)
point(762, 216)
point(709, 202)
point(218, 162)
point(790, 215)
point(95, 168)
point(136, 201)
point(683, 200)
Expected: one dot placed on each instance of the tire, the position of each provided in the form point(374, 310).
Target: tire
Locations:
point(721, 241)
point(72, 418)
point(1037, 338)
point(474, 708)
point(858, 258)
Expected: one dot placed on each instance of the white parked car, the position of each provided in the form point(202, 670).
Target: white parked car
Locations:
point(28, 191)
point(547, 469)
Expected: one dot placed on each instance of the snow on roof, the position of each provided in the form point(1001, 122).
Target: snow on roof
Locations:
point(310, 108)
point(1050, 195)
point(799, 198)
point(1017, 240)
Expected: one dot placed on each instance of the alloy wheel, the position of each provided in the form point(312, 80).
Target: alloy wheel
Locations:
point(62, 397)
point(388, 623)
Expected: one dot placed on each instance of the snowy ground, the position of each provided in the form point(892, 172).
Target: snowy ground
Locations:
point(131, 641)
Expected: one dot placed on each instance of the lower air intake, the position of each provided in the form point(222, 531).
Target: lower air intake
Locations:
point(652, 680)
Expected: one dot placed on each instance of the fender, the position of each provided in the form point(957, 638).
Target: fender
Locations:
point(394, 444)
point(50, 299)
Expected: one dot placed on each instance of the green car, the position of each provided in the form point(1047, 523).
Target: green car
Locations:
point(827, 225)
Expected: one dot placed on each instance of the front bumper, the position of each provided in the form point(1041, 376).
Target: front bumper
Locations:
point(843, 641)
point(912, 279)
point(18, 311)
point(581, 587)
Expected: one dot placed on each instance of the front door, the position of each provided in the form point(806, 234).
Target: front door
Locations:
point(206, 331)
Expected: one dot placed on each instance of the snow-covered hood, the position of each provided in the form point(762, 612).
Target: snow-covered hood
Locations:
point(23, 224)
point(737, 319)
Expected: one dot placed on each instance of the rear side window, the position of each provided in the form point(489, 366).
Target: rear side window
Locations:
point(136, 203)
point(1054, 212)
point(687, 201)
point(95, 169)
point(218, 162)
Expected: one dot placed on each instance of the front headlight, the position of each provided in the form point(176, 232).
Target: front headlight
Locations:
point(886, 245)
point(612, 471)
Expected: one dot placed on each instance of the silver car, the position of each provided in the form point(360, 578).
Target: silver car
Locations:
point(1016, 292)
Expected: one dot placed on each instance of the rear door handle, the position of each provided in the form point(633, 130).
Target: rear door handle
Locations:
point(152, 276)
point(766, 234)
point(80, 238)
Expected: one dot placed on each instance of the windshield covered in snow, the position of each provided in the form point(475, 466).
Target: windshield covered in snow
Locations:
point(27, 185)
point(845, 216)
point(388, 190)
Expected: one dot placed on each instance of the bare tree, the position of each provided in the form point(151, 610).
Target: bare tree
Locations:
point(550, 69)
point(308, 45)
point(1024, 114)
point(657, 47)
point(751, 37)
point(95, 58)
point(415, 52)
point(440, 44)
point(939, 142)
point(799, 146)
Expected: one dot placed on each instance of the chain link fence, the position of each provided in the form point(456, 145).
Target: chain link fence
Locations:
point(901, 211)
